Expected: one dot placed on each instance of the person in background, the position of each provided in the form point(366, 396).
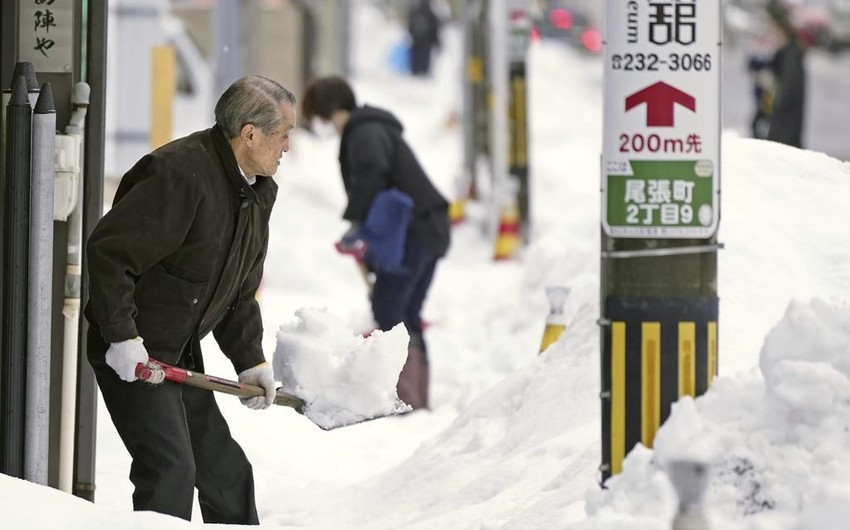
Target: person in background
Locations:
point(374, 157)
point(423, 25)
point(759, 67)
point(789, 73)
point(179, 255)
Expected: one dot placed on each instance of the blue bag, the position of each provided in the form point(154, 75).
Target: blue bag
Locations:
point(385, 231)
point(399, 57)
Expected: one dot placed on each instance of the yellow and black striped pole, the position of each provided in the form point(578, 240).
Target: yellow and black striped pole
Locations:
point(655, 351)
point(518, 160)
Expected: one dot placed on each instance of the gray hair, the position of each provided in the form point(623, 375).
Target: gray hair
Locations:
point(251, 99)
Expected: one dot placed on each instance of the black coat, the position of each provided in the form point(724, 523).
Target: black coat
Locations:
point(424, 28)
point(181, 252)
point(374, 157)
point(423, 25)
point(786, 122)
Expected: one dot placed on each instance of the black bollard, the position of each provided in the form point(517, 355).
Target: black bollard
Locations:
point(15, 279)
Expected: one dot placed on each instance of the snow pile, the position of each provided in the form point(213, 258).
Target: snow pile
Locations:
point(776, 444)
point(341, 376)
point(28, 505)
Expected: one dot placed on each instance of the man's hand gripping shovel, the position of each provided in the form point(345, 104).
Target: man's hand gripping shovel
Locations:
point(156, 372)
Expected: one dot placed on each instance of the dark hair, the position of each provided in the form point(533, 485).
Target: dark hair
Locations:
point(326, 95)
point(251, 99)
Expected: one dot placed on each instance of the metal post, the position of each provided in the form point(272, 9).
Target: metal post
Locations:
point(498, 72)
point(334, 37)
point(86, 428)
point(344, 28)
point(480, 96)
point(37, 427)
point(227, 39)
point(71, 307)
point(520, 28)
point(472, 75)
point(15, 255)
point(25, 69)
point(690, 479)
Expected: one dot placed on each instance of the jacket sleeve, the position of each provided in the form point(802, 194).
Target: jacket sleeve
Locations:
point(370, 160)
point(240, 332)
point(147, 223)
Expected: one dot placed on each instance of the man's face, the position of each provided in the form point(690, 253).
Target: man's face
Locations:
point(266, 150)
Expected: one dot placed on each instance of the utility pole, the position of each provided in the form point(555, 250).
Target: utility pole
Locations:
point(518, 160)
point(660, 213)
point(476, 88)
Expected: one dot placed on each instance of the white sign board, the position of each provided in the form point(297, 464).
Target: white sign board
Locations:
point(46, 36)
point(661, 145)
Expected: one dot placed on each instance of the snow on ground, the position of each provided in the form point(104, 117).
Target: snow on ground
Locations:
point(513, 437)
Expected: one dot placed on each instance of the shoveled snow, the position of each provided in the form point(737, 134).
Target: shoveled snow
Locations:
point(342, 377)
point(775, 441)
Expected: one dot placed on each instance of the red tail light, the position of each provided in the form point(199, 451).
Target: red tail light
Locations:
point(561, 18)
point(591, 39)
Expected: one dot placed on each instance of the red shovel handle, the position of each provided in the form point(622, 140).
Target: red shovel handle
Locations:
point(156, 370)
point(149, 372)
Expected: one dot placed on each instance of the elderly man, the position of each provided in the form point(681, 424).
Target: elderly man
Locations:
point(180, 254)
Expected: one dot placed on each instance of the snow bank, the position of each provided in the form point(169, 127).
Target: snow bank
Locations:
point(776, 440)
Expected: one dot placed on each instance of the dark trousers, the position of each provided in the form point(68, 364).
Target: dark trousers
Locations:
point(420, 57)
point(399, 298)
point(179, 441)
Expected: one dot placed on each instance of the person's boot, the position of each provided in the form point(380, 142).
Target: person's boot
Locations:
point(412, 384)
point(424, 381)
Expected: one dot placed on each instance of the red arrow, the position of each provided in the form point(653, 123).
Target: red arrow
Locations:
point(660, 99)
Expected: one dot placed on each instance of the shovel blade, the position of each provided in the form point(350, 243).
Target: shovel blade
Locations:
point(328, 424)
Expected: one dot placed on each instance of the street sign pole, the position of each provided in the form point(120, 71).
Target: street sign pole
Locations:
point(660, 182)
point(519, 28)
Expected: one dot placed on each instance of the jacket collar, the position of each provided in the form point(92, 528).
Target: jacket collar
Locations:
point(263, 192)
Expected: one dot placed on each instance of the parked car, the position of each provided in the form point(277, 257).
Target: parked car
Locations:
point(573, 22)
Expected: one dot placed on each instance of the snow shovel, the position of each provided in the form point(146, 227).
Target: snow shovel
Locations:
point(155, 372)
point(358, 252)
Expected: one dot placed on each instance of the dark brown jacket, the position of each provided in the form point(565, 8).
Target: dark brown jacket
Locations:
point(181, 252)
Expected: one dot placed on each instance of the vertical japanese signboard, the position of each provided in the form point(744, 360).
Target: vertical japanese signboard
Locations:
point(661, 145)
point(47, 34)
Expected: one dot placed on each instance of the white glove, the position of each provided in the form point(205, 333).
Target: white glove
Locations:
point(261, 375)
point(124, 356)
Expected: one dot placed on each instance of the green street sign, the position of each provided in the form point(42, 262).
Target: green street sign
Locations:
point(661, 198)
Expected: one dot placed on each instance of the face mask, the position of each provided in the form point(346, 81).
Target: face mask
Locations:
point(322, 129)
